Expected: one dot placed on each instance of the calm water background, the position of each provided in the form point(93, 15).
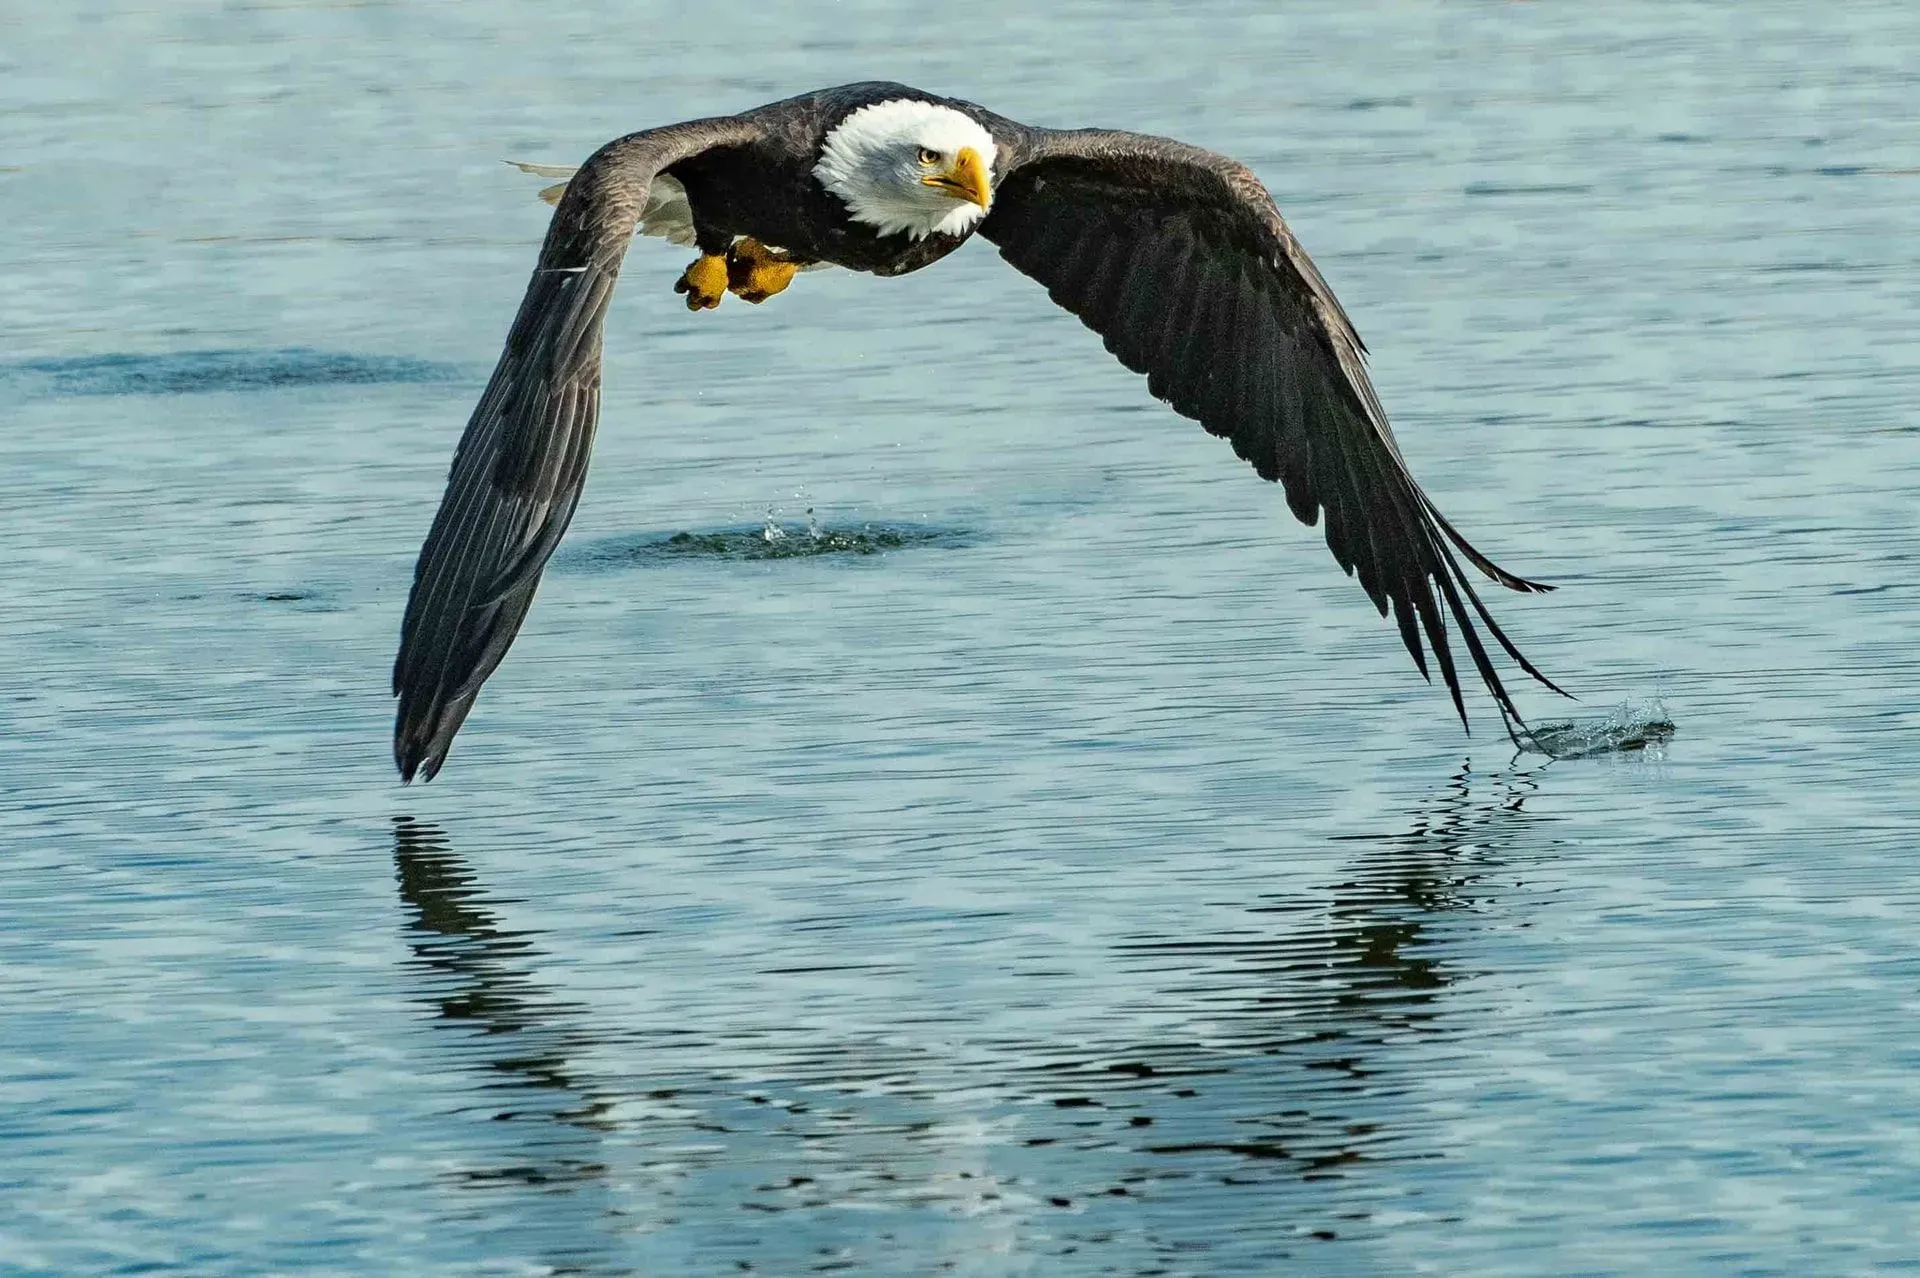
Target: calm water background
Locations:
point(1093, 888)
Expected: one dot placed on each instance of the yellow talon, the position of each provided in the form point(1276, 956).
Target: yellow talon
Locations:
point(755, 272)
point(704, 282)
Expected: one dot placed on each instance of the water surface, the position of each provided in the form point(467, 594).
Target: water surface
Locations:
point(1084, 884)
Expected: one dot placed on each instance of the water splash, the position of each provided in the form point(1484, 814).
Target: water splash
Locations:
point(1630, 726)
point(776, 541)
point(768, 540)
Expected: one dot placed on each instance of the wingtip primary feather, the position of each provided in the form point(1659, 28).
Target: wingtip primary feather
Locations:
point(1512, 581)
point(407, 758)
point(409, 749)
point(420, 744)
point(1500, 635)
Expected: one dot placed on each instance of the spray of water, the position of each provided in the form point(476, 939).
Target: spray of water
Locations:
point(1630, 726)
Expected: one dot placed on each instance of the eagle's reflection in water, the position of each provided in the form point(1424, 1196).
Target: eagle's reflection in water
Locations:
point(1278, 1113)
point(476, 976)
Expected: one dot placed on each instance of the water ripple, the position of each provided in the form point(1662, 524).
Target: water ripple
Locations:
point(202, 372)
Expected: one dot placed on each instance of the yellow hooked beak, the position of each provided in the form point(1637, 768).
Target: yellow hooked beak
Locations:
point(964, 179)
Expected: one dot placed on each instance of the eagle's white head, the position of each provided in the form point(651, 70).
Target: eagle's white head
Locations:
point(910, 167)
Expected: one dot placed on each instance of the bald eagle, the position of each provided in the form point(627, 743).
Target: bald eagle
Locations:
point(1176, 256)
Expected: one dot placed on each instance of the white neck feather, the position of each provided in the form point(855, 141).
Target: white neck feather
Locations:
point(869, 162)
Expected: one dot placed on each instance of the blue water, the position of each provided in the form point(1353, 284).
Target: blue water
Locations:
point(1081, 882)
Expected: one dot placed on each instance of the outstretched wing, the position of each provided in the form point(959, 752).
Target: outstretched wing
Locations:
point(520, 467)
point(1178, 258)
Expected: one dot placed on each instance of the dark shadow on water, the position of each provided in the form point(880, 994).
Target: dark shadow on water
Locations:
point(291, 599)
point(195, 372)
point(1487, 189)
point(1267, 1123)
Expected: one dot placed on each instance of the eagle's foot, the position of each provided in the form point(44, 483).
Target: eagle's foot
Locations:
point(756, 272)
point(704, 282)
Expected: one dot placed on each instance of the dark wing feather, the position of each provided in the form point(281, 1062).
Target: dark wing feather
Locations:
point(1179, 259)
point(521, 465)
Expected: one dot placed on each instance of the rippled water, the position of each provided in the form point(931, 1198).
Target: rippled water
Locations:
point(1072, 878)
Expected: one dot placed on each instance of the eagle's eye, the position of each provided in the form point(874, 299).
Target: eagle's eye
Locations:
point(928, 156)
